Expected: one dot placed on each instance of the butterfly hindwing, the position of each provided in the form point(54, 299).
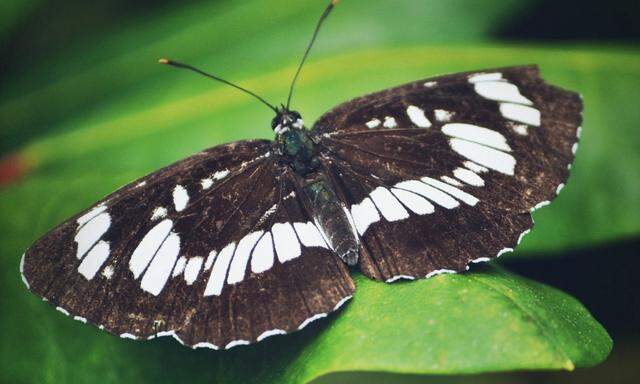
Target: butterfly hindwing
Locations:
point(445, 171)
point(215, 250)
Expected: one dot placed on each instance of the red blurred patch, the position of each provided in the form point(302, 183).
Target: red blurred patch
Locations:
point(12, 169)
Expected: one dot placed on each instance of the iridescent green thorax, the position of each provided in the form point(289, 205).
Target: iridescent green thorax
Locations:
point(298, 149)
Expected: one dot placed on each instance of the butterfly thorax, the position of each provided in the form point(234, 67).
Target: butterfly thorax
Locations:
point(293, 143)
point(298, 151)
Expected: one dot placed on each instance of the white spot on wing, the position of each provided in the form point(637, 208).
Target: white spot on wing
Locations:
point(501, 91)
point(161, 266)
point(475, 167)
point(520, 129)
point(399, 277)
point(453, 191)
point(159, 213)
point(148, 246)
point(24, 279)
point(478, 77)
point(477, 134)
point(341, 302)
point(540, 205)
point(388, 205)
point(268, 213)
point(221, 174)
point(128, 336)
point(429, 192)
point(286, 242)
point(522, 235)
point(63, 311)
point(219, 271)
point(180, 198)
point(210, 258)
point(389, 122)
point(91, 232)
point(520, 113)
point(107, 272)
point(311, 319)
point(559, 188)
point(269, 333)
point(262, 256)
point(241, 257)
point(443, 115)
point(91, 214)
point(309, 235)
point(417, 117)
point(364, 214)
point(204, 344)
point(451, 181)
point(485, 156)
point(439, 272)
point(503, 251)
point(179, 268)
point(94, 260)
point(414, 202)
point(430, 84)
point(206, 183)
point(192, 269)
point(236, 343)
point(373, 123)
point(468, 177)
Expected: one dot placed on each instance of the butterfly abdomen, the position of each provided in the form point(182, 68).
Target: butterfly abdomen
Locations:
point(333, 219)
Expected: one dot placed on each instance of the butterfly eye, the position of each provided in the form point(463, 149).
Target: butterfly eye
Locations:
point(275, 122)
point(296, 115)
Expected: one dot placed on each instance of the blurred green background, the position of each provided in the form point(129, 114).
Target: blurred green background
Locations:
point(84, 108)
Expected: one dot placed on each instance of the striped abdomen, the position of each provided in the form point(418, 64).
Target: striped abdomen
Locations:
point(333, 220)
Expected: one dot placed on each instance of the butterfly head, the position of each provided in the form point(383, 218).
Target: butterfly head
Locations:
point(286, 120)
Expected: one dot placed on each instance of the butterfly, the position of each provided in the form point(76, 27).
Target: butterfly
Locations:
point(256, 238)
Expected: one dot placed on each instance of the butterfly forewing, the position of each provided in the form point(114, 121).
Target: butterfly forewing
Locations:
point(444, 171)
point(214, 250)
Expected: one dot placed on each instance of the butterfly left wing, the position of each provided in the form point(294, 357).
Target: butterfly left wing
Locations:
point(215, 250)
point(445, 171)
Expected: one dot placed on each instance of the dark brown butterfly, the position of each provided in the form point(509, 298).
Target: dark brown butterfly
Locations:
point(251, 239)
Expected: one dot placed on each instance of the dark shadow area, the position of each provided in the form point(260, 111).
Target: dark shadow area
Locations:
point(602, 278)
point(566, 20)
point(56, 24)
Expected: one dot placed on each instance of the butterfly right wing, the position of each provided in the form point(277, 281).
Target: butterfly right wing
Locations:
point(215, 250)
point(445, 171)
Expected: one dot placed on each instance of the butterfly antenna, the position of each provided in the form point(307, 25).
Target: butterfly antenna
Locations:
point(306, 53)
point(177, 64)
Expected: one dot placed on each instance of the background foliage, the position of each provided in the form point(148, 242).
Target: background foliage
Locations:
point(84, 109)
